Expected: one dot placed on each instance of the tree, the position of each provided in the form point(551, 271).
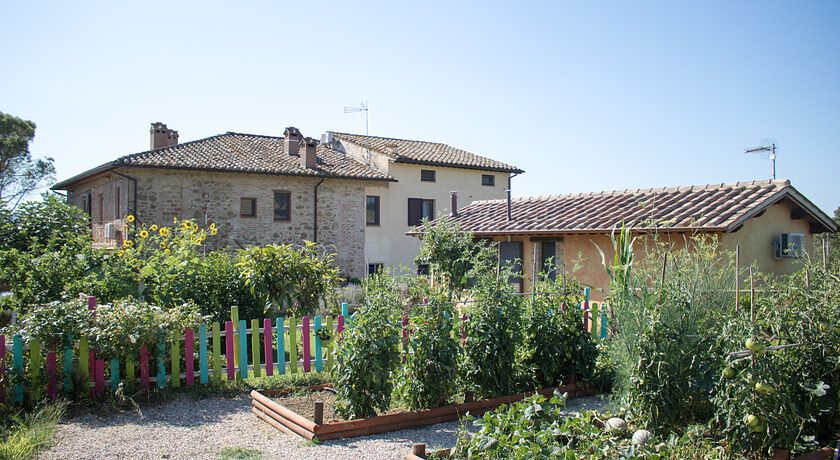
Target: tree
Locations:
point(20, 174)
point(449, 251)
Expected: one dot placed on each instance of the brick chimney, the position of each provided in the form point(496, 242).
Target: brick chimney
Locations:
point(308, 157)
point(291, 140)
point(161, 136)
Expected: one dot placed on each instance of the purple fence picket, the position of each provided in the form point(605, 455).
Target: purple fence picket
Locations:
point(339, 328)
point(51, 386)
point(91, 355)
point(100, 376)
point(229, 350)
point(189, 356)
point(269, 355)
point(304, 333)
point(144, 368)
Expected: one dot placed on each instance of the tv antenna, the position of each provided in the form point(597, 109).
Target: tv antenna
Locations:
point(363, 107)
point(768, 150)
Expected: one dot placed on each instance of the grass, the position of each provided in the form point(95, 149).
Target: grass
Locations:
point(26, 435)
point(239, 453)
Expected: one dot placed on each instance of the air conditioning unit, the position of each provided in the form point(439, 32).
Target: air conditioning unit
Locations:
point(789, 246)
point(110, 231)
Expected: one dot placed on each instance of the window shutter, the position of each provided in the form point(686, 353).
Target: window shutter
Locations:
point(415, 211)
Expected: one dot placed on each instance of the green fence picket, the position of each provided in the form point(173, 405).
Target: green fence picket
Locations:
point(595, 320)
point(130, 375)
point(293, 354)
point(255, 347)
point(329, 345)
point(175, 363)
point(35, 366)
point(84, 361)
point(234, 317)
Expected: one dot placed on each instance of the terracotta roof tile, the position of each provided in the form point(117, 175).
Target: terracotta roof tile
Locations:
point(253, 153)
point(714, 207)
point(428, 153)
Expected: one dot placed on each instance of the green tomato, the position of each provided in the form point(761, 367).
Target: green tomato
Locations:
point(764, 388)
point(729, 373)
point(759, 428)
point(754, 345)
point(753, 421)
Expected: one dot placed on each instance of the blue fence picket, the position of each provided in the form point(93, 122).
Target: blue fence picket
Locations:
point(115, 374)
point(319, 365)
point(243, 349)
point(202, 354)
point(68, 369)
point(161, 364)
point(281, 349)
point(17, 367)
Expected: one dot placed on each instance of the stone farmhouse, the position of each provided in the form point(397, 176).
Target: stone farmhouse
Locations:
point(356, 195)
point(771, 222)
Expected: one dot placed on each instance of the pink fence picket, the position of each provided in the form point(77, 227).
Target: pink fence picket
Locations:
point(304, 326)
point(229, 350)
point(51, 386)
point(144, 368)
point(189, 356)
point(269, 356)
point(91, 355)
point(339, 327)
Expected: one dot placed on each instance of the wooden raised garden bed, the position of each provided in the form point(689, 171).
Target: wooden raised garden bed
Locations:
point(291, 422)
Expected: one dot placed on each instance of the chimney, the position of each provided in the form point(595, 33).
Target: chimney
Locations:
point(453, 204)
point(161, 136)
point(308, 157)
point(291, 140)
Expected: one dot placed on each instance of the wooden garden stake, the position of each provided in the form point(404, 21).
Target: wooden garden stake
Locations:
point(419, 449)
point(808, 282)
point(662, 279)
point(825, 254)
point(318, 417)
point(737, 276)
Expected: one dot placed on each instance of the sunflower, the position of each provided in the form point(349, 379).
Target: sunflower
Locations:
point(120, 253)
point(144, 234)
point(164, 231)
point(213, 226)
point(128, 243)
point(166, 251)
point(163, 244)
point(174, 220)
point(214, 231)
point(186, 225)
point(153, 228)
point(129, 218)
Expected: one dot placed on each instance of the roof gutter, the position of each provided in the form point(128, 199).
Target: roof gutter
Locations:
point(510, 177)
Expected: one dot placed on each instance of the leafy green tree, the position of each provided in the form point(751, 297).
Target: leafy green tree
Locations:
point(449, 251)
point(41, 225)
point(20, 174)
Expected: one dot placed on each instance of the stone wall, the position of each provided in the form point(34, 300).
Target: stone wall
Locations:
point(210, 197)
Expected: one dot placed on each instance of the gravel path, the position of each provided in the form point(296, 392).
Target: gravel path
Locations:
point(200, 428)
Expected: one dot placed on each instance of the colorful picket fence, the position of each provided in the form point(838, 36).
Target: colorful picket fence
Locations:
point(235, 349)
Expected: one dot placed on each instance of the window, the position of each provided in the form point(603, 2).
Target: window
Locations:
point(248, 207)
point(423, 270)
point(789, 246)
point(510, 253)
point(372, 210)
point(375, 268)
point(419, 209)
point(86, 203)
point(282, 206)
point(549, 259)
point(427, 175)
point(488, 180)
point(100, 207)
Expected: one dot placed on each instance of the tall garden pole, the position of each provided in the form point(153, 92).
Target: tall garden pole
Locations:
point(737, 276)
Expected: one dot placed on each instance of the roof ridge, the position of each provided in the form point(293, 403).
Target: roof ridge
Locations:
point(194, 141)
point(393, 138)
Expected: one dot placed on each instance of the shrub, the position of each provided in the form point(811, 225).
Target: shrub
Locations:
point(120, 329)
point(293, 279)
point(488, 358)
point(37, 226)
point(369, 353)
point(448, 251)
point(218, 285)
point(428, 375)
point(56, 323)
point(554, 344)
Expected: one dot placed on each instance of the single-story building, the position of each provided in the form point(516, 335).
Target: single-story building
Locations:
point(771, 222)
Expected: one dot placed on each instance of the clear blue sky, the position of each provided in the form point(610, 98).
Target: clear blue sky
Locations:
point(584, 96)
